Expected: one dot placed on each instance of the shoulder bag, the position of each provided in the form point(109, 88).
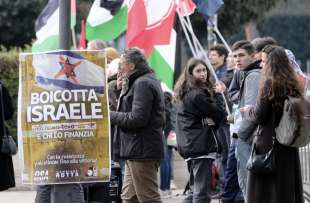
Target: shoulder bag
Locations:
point(262, 163)
point(9, 146)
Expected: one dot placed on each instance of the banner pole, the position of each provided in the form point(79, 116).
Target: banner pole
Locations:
point(64, 192)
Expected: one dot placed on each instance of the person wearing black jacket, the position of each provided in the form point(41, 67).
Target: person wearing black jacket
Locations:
point(139, 122)
point(279, 82)
point(7, 179)
point(200, 110)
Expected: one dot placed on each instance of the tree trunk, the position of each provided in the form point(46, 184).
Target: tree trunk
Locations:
point(251, 31)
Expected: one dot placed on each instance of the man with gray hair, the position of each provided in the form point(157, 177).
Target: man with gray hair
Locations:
point(139, 122)
point(96, 44)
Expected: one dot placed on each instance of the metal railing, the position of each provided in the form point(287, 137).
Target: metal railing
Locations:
point(304, 154)
point(306, 197)
point(305, 151)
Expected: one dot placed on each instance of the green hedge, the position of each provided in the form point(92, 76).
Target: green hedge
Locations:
point(9, 76)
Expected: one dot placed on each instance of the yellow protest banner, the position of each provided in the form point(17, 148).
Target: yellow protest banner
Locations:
point(63, 117)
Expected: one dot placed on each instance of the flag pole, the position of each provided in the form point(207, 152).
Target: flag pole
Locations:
point(200, 47)
point(190, 30)
point(64, 192)
point(73, 38)
point(186, 35)
point(64, 24)
point(217, 31)
point(211, 22)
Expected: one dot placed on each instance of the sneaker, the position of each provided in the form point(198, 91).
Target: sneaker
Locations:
point(216, 194)
point(164, 194)
point(172, 185)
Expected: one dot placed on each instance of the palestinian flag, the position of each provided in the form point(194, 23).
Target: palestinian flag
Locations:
point(150, 23)
point(107, 19)
point(110, 20)
point(47, 26)
point(162, 60)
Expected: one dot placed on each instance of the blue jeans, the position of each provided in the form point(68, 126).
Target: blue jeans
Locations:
point(199, 181)
point(231, 189)
point(243, 151)
point(170, 153)
point(165, 170)
point(224, 137)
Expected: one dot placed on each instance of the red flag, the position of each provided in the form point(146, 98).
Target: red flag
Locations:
point(151, 25)
point(186, 7)
point(82, 37)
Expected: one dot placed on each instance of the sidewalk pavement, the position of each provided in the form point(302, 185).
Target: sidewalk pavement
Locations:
point(26, 194)
point(15, 196)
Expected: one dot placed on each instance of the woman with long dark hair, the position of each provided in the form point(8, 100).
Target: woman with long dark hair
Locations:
point(200, 109)
point(278, 83)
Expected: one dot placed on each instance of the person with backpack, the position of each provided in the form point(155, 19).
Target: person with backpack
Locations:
point(279, 81)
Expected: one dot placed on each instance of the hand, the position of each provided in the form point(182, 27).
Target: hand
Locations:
point(119, 81)
point(230, 118)
point(219, 87)
point(246, 108)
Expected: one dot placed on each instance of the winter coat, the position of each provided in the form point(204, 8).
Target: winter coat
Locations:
point(228, 78)
point(194, 137)
point(225, 75)
point(249, 81)
point(113, 92)
point(7, 179)
point(286, 184)
point(113, 99)
point(221, 72)
point(234, 88)
point(139, 119)
point(168, 114)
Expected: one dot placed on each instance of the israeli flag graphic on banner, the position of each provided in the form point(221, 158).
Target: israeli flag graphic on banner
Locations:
point(67, 70)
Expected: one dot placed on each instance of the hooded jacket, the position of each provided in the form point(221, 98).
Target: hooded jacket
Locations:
point(249, 81)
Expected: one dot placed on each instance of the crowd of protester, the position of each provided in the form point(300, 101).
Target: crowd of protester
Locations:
point(210, 119)
point(215, 119)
